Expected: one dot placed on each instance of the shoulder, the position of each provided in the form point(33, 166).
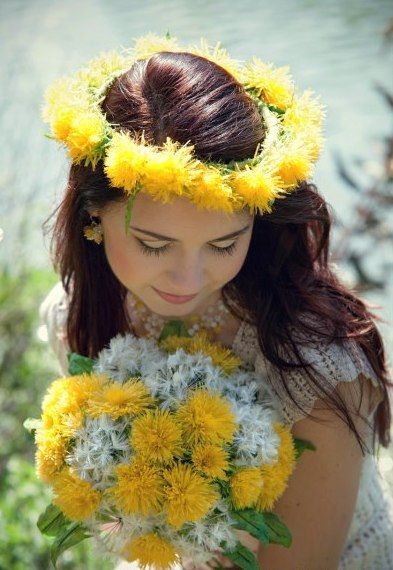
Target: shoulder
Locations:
point(341, 366)
point(54, 309)
point(53, 312)
point(54, 301)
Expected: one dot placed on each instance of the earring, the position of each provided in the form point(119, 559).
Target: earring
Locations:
point(94, 232)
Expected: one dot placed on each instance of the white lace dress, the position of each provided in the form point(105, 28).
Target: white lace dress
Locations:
point(369, 544)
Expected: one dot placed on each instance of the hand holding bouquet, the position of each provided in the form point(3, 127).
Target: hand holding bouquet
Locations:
point(161, 451)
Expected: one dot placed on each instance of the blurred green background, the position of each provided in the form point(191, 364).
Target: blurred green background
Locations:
point(342, 50)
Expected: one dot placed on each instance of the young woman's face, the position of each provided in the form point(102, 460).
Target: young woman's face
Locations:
point(196, 254)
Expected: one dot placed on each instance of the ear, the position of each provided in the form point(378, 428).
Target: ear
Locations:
point(93, 213)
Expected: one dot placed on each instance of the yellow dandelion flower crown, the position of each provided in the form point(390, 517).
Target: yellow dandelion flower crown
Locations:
point(286, 156)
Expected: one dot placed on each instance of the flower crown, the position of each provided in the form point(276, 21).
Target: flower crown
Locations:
point(286, 156)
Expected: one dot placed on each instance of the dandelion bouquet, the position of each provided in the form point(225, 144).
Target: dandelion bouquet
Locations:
point(160, 451)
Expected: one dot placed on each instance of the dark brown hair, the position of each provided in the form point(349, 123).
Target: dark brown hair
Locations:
point(286, 273)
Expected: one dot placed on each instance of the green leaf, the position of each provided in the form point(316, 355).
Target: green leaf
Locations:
point(301, 445)
point(31, 424)
point(52, 521)
point(278, 532)
point(72, 535)
point(242, 557)
point(174, 327)
point(78, 364)
point(252, 522)
point(130, 204)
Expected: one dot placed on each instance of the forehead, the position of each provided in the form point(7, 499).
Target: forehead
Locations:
point(181, 218)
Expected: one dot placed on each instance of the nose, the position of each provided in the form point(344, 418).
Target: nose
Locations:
point(187, 276)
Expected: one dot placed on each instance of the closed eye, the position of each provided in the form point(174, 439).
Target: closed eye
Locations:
point(227, 250)
point(157, 251)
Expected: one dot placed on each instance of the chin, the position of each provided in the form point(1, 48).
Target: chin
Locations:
point(169, 310)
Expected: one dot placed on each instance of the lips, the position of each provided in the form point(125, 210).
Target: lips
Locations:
point(177, 299)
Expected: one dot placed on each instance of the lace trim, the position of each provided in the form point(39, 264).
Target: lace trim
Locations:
point(334, 362)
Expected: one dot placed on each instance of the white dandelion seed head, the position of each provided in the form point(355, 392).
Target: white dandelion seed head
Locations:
point(211, 533)
point(135, 525)
point(126, 356)
point(255, 440)
point(190, 550)
point(100, 445)
point(106, 526)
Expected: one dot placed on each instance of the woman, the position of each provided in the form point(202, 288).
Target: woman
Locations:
point(258, 278)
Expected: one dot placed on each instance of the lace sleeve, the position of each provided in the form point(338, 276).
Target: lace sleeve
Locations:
point(334, 362)
point(53, 315)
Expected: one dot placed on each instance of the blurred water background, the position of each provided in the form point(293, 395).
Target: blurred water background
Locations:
point(340, 49)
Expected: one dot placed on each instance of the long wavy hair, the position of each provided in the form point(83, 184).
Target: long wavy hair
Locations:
point(286, 273)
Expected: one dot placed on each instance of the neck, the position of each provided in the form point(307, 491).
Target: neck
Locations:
point(211, 315)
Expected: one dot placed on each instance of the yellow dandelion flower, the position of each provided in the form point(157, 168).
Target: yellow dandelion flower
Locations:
point(50, 454)
point(211, 460)
point(47, 421)
point(47, 466)
point(149, 44)
point(311, 140)
point(246, 485)
point(150, 549)
point(206, 418)
point(188, 496)
point(258, 187)
point(157, 436)
point(86, 133)
point(116, 400)
point(220, 355)
point(64, 99)
point(124, 161)
point(218, 55)
point(61, 412)
point(306, 111)
point(54, 393)
point(75, 497)
point(64, 400)
point(91, 234)
point(52, 448)
point(303, 119)
point(293, 163)
point(65, 415)
point(315, 144)
point(61, 122)
point(210, 191)
point(138, 488)
point(273, 84)
point(84, 386)
point(169, 171)
point(69, 423)
point(276, 475)
point(59, 401)
point(100, 68)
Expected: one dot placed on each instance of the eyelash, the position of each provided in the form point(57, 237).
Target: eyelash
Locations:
point(157, 251)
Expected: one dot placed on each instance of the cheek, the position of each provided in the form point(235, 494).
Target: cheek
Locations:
point(127, 262)
point(225, 269)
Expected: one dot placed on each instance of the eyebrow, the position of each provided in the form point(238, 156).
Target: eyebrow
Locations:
point(167, 238)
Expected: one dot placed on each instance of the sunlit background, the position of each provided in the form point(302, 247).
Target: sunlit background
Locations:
point(340, 49)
